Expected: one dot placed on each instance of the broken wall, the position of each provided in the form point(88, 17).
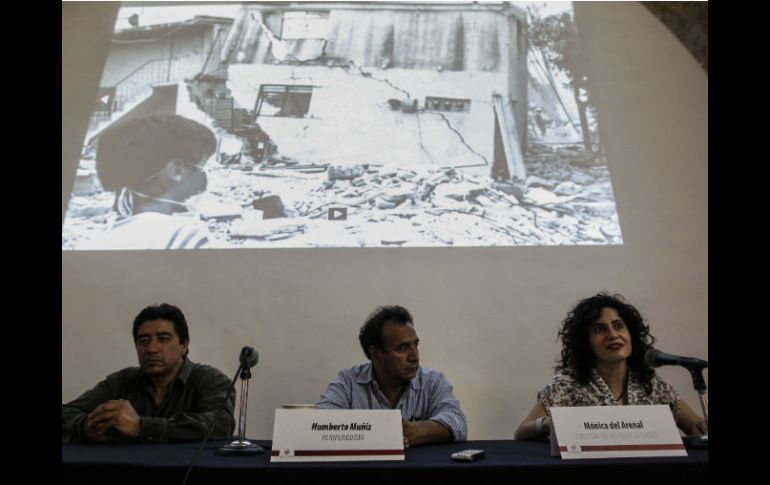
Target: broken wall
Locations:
point(351, 121)
point(413, 39)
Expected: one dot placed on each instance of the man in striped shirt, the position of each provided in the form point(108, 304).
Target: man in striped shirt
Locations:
point(155, 167)
point(393, 379)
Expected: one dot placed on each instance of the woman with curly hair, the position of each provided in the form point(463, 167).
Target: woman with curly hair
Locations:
point(604, 340)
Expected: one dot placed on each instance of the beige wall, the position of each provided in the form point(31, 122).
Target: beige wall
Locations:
point(486, 317)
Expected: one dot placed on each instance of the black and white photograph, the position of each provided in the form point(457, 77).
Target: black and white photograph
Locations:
point(343, 124)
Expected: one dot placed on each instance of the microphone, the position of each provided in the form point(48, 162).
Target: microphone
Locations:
point(656, 358)
point(249, 357)
point(241, 446)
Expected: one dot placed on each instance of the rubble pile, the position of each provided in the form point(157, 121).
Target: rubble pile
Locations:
point(567, 199)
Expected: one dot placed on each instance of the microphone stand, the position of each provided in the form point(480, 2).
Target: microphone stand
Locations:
point(700, 441)
point(242, 446)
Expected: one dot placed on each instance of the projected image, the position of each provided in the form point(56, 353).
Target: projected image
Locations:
point(360, 124)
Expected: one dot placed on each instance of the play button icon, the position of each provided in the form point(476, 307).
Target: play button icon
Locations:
point(338, 213)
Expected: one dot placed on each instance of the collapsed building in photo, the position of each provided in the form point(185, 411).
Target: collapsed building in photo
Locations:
point(384, 83)
point(362, 124)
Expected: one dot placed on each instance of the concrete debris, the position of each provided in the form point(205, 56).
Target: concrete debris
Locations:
point(541, 196)
point(86, 182)
point(271, 207)
point(210, 208)
point(345, 172)
point(397, 205)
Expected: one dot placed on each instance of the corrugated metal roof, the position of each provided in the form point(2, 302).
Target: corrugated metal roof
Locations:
point(153, 31)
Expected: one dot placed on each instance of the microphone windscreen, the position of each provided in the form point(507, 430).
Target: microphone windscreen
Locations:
point(249, 357)
point(649, 357)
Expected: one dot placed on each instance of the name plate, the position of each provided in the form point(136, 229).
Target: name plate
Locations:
point(615, 431)
point(337, 435)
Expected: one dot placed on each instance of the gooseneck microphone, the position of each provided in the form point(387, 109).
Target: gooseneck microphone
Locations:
point(656, 358)
point(248, 359)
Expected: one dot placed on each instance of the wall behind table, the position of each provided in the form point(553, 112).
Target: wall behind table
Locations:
point(486, 317)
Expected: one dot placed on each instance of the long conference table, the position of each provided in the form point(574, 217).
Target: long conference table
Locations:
point(506, 461)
